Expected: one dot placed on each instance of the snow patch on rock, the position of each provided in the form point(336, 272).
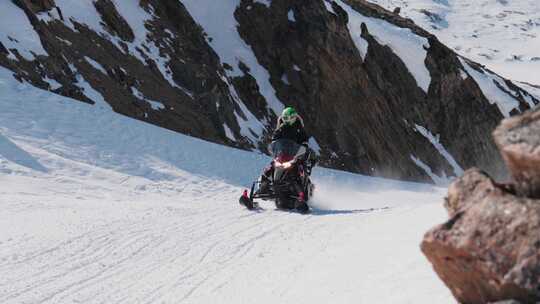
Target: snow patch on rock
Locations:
point(16, 32)
point(329, 6)
point(408, 46)
point(137, 19)
point(250, 127)
point(285, 79)
point(142, 47)
point(81, 11)
point(290, 16)
point(314, 145)
point(92, 93)
point(228, 132)
point(265, 2)
point(217, 20)
point(53, 84)
point(435, 141)
point(491, 85)
point(534, 91)
point(96, 65)
point(442, 181)
point(156, 105)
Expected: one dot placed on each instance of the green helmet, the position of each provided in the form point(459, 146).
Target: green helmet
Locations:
point(289, 115)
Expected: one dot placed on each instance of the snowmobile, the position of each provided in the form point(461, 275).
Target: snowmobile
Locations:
point(289, 184)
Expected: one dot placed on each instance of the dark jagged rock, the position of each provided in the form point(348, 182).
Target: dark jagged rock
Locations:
point(36, 6)
point(115, 24)
point(334, 77)
point(3, 49)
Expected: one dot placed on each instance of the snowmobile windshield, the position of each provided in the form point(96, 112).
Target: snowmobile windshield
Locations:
point(284, 147)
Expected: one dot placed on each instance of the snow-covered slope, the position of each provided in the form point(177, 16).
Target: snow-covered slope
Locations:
point(503, 35)
point(98, 208)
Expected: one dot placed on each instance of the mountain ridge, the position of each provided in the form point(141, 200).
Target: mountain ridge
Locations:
point(372, 106)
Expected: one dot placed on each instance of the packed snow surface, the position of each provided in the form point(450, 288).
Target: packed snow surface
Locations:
point(501, 34)
point(98, 208)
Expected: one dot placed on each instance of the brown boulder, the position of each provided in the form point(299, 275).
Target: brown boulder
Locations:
point(489, 250)
point(468, 189)
point(518, 139)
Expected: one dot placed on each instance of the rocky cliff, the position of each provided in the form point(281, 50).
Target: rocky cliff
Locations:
point(380, 95)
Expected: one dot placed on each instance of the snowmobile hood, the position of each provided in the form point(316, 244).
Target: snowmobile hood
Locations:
point(282, 158)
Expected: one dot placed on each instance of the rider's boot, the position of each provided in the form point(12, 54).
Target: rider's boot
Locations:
point(264, 185)
point(301, 204)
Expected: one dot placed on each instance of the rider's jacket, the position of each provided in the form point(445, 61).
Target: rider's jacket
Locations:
point(293, 132)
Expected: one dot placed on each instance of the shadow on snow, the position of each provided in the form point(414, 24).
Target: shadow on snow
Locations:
point(13, 153)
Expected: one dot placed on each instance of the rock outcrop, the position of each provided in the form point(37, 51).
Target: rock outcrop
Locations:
point(379, 131)
point(36, 6)
point(489, 249)
point(518, 139)
point(370, 107)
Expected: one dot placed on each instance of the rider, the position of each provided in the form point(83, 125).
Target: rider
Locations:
point(289, 126)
